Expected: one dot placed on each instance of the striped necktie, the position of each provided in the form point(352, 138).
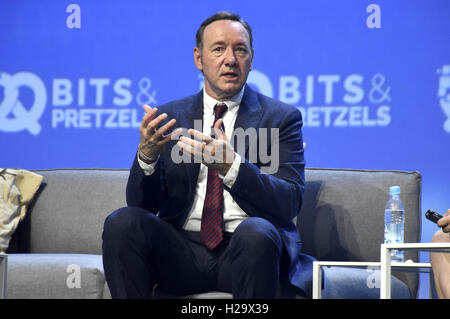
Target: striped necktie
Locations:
point(211, 232)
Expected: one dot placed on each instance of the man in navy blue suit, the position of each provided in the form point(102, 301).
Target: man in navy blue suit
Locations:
point(212, 208)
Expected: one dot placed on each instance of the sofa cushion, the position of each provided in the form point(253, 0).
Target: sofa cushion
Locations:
point(55, 276)
point(70, 208)
point(351, 283)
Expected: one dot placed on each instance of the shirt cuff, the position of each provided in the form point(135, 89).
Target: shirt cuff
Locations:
point(147, 168)
point(232, 173)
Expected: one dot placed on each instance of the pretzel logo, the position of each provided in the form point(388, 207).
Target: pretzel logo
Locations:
point(14, 117)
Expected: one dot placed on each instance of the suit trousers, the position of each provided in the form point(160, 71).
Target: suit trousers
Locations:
point(141, 250)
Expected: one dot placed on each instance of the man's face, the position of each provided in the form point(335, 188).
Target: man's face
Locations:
point(225, 58)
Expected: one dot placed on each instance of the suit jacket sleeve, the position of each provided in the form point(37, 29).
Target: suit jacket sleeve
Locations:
point(139, 184)
point(276, 196)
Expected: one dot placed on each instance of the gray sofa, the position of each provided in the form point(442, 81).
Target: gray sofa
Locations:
point(56, 250)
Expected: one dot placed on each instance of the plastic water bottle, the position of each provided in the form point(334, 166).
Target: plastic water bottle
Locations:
point(394, 222)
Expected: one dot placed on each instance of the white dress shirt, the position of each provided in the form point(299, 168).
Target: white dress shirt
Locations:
point(233, 214)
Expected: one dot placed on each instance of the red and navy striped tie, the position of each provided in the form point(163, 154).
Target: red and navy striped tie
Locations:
point(212, 216)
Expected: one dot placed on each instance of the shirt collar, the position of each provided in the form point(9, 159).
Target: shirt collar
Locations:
point(209, 102)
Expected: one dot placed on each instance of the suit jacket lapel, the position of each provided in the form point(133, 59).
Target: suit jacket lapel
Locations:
point(189, 113)
point(249, 116)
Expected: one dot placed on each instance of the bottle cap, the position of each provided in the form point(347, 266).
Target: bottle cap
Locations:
point(394, 190)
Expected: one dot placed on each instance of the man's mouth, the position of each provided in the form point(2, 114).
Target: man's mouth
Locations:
point(230, 75)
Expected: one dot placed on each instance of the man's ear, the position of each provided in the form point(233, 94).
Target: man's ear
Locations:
point(198, 59)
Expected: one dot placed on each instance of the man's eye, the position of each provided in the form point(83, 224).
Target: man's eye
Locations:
point(218, 49)
point(242, 50)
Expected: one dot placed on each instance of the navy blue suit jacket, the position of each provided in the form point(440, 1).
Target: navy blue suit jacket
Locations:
point(277, 197)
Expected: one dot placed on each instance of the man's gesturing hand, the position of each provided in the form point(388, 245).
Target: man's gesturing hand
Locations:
point(153, 139)
point(215, 153)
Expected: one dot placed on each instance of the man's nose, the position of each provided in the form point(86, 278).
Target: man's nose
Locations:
point(230, 57)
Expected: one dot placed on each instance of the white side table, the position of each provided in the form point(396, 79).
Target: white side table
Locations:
point(317, 272)
point(3, 270)
point(386, 265)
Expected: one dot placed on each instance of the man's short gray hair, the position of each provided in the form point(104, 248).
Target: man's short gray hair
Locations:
point(222, 15)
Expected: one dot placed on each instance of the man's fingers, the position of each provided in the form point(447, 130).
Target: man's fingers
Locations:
point(149, 115)
point(193, 143)
point(151, 123)
point(155, 123)
point(163, 129)
point(220, 134)
point(187, 149)
point(175, 134)
point(200, 136)
point(147, 108)
point(149, 126)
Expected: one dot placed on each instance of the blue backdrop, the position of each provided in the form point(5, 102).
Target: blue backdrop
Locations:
point(372, 79)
